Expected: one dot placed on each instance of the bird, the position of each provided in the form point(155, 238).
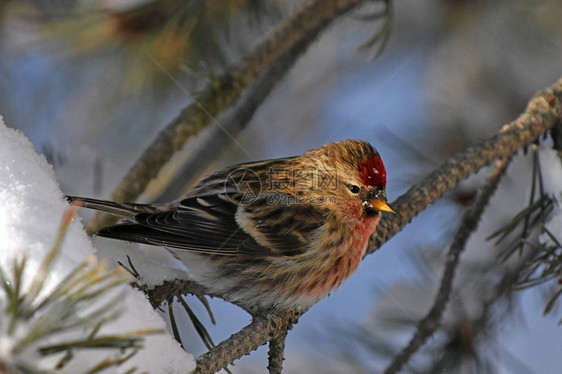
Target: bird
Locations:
point(276, 234)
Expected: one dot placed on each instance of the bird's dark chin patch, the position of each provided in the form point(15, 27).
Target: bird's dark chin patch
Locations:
point(370, 212)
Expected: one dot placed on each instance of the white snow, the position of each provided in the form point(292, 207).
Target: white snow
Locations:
point(31, 208)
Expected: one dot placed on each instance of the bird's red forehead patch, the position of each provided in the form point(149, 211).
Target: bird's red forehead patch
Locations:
point(372, 172)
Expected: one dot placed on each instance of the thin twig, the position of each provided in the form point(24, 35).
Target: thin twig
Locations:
point(169, 289)
point(469, 222)
point(277, 354)
point(309, 19)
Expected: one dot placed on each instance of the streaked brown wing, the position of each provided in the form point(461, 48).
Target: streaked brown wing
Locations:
point(205, 225)
point(205, 221)
point(286, 230)
point(208, 225)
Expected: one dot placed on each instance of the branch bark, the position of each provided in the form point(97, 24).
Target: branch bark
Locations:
point(276, 354)
point(304, 24)
point(543, 112)
point(269, 326)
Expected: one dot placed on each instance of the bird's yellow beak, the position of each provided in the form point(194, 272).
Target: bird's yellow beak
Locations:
point(381, 205)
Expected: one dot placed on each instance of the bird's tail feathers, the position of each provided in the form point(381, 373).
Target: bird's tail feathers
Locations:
point(126, 210)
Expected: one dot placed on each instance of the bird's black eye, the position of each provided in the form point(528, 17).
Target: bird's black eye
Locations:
point(353, 188)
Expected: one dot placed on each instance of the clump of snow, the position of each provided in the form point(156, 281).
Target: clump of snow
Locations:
point(31, 208)
point(551, 171)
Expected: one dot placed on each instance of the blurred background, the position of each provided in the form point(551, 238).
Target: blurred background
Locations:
point(91, 83)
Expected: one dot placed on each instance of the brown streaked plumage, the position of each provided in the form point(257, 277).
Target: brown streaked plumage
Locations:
point(278, 233)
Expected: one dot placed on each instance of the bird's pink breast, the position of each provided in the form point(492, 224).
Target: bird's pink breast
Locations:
point(345, 260)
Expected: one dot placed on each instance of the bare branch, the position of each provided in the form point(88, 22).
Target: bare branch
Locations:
point(304, 24)
point(469, 222)
point(167, 291)
point(276, 354)
point(234, 122)
point(262, 328)
point(543, 112)
point(265, 327)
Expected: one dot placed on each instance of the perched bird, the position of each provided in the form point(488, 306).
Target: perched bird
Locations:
point(274, 234)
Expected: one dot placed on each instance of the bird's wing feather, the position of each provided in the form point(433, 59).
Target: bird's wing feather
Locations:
point(215, 217)
point(205, 225)
point(208, 224)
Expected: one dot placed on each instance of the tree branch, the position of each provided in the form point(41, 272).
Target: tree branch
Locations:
point(469, 222)
point(308, 20)
point(267, 326)
point(272, 327)
point(276, 354)
point(236, 120)
point(167, 290)
point(543, 112)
